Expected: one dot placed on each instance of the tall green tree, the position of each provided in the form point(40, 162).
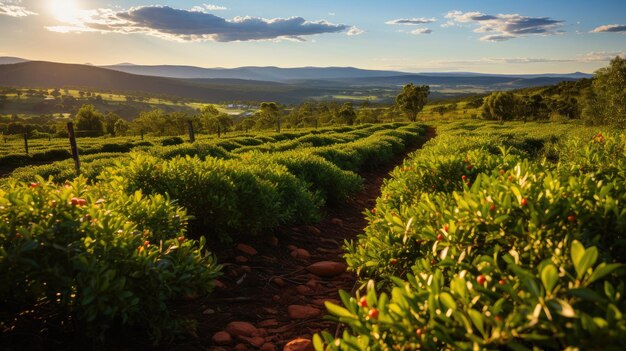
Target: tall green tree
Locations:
point(501, 106)
point(412, 99)
point(109, 121)
point(89, 121)
point(347, 114)
point(606, 102)
point(268, 116)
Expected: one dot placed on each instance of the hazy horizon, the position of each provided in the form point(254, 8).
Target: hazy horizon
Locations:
point(491, 37)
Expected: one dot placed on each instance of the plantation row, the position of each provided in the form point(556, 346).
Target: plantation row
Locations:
point(116, 250)
point(95, 157)
point(483, 247)
point(12, 152)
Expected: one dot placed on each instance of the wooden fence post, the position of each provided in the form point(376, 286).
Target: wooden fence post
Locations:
point(278, 129)
point(26, 143)
point(70, 132)
point(192, 136)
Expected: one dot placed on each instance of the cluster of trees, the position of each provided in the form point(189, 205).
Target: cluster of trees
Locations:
point(598, 101)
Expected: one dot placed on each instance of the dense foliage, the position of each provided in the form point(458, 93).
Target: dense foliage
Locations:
point(484, 247)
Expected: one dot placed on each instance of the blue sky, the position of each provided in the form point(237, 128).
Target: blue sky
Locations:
point(496, 36)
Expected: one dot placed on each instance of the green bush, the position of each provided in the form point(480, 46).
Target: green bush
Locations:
point(97, 256)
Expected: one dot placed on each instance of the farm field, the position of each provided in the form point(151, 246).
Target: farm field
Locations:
point(469, 211)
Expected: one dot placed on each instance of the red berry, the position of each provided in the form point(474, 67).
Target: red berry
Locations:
point(363, 302)
point(439, 237)
point(501, 281)
point(481, 279)
point(502, 172)
point(524, 202)
point(445, 228)
point(510, 178)
point(466, 160)
point(146, 243)
point(419, 332)
point(499, 318)
point(469, 167)
point(373, 313)
point(463, 177)
point(33, 185)
point(181, 239)
point(433, 261)
point(373, 210)
point(571, 218)
point(82, 202)
point(74, 201)
point(492, 208)
point(393, 261)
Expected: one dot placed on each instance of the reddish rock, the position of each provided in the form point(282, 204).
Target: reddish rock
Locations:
point(219, 285)
point(246, 269)
point(303, 290)
point(313, 230)
point(247, 249)
point(256, 341)
point(274, 241)
point(312, 283)
point(337, 221)
point(276, 298)
point(242, 329)
point(300, 254)
point(241, 347)
point(279, 281)
point(222, 338)
point(241, 259)
point(268, 323)
point(327, 268)
point(299, 345)
point(302, 312)
point(268, 347)
point(291, 247)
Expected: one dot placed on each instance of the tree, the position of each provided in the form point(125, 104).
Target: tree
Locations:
point(412, 99)
point(606, 102)
point(347, 114)
point(268, 116)
point(500, 106)
point(109, 122)
point(121, 127)
point(89, 121)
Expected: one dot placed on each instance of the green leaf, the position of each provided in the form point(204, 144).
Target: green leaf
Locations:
point(338, 310)
point(577, 252)
point(586, 261)
point(561, 307)
point(477, 320)
point(549, 277)
point(318, 344)
point(602, 270)
point(447, 300)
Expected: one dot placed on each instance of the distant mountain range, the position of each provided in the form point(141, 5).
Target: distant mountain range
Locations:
point(256, 83)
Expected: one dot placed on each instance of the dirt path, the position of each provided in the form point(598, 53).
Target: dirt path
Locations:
point(267, 290)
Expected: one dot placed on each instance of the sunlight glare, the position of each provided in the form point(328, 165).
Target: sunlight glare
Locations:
point(64, 10)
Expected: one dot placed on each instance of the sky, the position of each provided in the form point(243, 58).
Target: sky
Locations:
point(490, 36)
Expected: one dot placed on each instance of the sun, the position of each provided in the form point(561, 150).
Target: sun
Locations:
point(64, 10)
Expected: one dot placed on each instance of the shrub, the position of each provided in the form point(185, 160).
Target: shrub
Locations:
point(172, 141)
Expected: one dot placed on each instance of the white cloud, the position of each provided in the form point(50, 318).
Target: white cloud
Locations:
point(355, 31)
point(411, 21)
point(505, 26)
point(13, 8)
point(610, 28)
point(184, 25)
point(208, 8)
point(420, 31)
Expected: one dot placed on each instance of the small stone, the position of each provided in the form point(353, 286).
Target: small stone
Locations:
point(275, 298)
point(279, 281)
point(246, 269)
point(274, 241)
point(219, 285)
point(302, 312)
point(299, 345)
point(327, 268)
point(268, 347)
point(256, 341)
point(312, 283)
point(303, 290)
point(222, 338)
point(337, 221)
point(242, 329)
point(241, 347)
point(300, 254)
point(313, 230)
point(241, 259)
point(247, 249)
point(291, 247)
point(208, 311)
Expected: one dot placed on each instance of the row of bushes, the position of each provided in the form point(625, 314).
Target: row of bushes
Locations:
point(97, 255)
point(479, 247)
